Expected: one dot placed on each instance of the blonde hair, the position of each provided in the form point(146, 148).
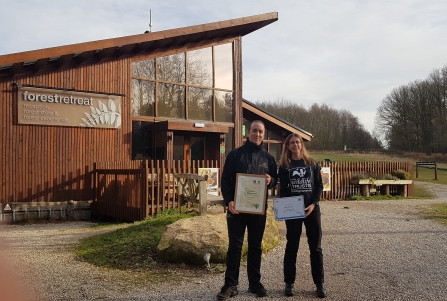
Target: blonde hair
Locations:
point(286, 155)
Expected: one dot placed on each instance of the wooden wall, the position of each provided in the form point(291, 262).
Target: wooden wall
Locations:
point(54, 163)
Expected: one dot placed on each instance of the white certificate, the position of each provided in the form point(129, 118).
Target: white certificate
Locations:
point(289, 207)
point(250, 193)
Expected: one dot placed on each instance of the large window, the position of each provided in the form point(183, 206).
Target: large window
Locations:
point(194, 85)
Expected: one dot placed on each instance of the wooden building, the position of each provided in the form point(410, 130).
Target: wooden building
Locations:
point(167, 95)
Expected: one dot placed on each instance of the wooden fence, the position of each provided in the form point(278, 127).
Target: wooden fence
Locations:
point(133, 190)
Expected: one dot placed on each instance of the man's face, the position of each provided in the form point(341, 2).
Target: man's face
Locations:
point(256, 133)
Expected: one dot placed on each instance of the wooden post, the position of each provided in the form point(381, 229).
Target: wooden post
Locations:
point(202, 198)
point(417, 173)
point(364, 190)
point(146, 189)
point(385, 189)
point(402, 190)
point(436, 172)
point(181, 197)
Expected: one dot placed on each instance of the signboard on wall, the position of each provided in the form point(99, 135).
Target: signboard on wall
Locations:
point(326, 176)
point(56, 107)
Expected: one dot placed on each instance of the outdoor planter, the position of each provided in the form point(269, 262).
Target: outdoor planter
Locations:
point(392, 182)
point(365, 185)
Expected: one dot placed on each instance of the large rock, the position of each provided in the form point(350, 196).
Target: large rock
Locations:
point(187, 240)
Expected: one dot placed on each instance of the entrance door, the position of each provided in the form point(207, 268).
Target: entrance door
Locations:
point(197, 149)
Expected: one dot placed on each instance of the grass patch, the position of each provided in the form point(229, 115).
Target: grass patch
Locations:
point(421, 192)
point(428, 175)
point(436, 212)
point(132, 248)
point(340, 157)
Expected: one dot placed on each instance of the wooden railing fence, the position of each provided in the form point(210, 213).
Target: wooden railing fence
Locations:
point(133, 190)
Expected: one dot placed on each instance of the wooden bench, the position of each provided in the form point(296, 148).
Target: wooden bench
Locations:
point(192, 188)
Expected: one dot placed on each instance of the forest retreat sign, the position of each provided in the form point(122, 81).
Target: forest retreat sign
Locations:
point(56, 107)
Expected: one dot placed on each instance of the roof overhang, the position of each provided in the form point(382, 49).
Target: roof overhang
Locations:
point(70, 56)
point(268, 117)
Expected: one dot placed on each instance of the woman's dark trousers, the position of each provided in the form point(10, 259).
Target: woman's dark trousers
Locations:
point(313, 233)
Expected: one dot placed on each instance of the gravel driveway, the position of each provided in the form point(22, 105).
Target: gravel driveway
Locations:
point(373, 250)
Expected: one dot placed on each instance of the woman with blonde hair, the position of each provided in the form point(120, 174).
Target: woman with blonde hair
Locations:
point(299, 174)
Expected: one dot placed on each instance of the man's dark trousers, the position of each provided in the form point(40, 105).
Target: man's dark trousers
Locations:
point(236, 223)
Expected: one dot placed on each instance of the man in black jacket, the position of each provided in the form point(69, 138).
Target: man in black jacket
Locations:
point(250, 158)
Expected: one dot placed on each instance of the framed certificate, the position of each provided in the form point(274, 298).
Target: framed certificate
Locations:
point(250, 193)
point(289, 207)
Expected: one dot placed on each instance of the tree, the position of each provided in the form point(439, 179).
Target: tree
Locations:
point(331, 129)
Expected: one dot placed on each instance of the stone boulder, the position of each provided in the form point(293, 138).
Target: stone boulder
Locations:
point(187, 240)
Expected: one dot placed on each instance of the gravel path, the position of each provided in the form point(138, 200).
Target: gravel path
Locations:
point(373, 250)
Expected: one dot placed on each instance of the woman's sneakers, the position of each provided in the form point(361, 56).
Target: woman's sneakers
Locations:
point(288, 291)
point(321, 291)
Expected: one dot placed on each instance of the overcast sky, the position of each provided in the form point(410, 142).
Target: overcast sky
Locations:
point(348, 54)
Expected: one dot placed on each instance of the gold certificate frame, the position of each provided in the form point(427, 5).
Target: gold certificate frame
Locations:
point(250, 193)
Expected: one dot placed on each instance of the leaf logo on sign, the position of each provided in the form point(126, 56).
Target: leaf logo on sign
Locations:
point(110, 115)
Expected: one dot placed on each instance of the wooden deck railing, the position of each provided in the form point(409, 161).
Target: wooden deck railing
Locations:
point(133, 190)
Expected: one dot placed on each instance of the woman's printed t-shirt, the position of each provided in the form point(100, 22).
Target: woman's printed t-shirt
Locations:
point(300, 180)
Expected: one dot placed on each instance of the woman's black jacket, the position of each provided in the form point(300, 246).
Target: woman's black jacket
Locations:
point(311, 191)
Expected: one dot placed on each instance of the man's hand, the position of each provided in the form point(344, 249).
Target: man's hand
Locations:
point(268, 179)
point(231, 208)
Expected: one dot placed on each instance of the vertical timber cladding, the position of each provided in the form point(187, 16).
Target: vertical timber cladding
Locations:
point(44, 162)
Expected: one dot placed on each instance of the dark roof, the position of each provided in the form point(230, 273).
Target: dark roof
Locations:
point(68, 56)
point(269, 117)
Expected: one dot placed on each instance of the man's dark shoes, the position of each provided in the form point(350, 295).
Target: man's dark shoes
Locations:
point(321, 291)
point(288, 291)
point(227, 291)
point(258, 289)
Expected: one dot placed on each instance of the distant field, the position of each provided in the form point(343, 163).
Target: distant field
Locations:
point(425, 174)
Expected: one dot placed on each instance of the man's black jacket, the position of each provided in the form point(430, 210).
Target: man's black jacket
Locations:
point(250, 159)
